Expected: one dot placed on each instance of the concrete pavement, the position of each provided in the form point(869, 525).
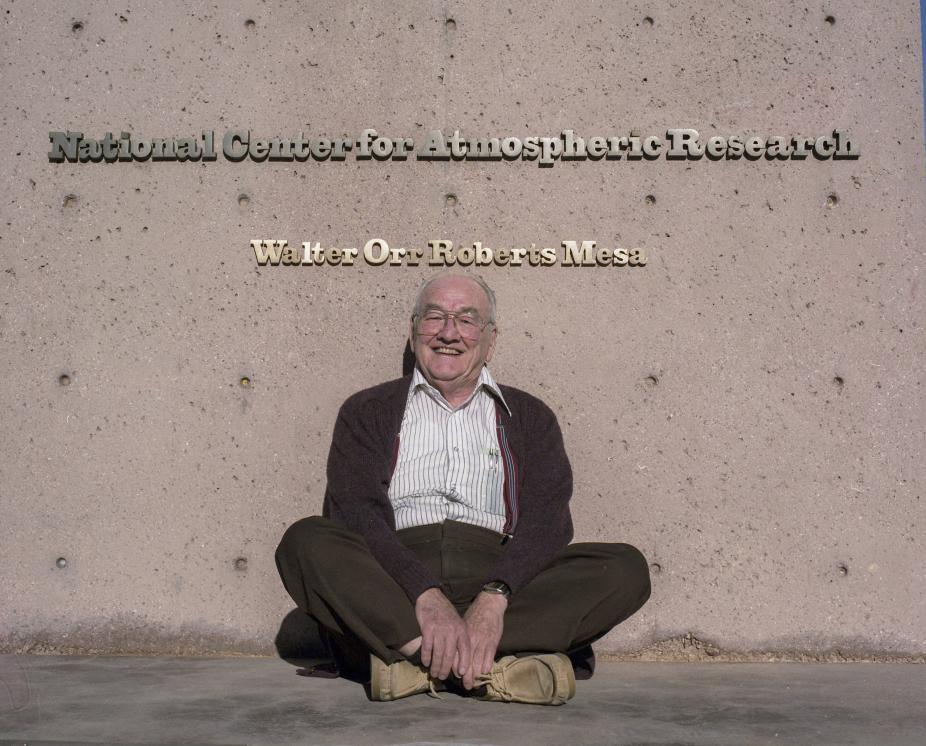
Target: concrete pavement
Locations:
point(136, 700)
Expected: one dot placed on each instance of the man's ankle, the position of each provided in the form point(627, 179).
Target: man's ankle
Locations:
point(412, 646)
point(415, 658)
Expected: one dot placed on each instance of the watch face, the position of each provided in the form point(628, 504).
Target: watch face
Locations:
point(496, 586)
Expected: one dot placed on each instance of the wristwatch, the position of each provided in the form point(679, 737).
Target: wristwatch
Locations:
point(497, 586)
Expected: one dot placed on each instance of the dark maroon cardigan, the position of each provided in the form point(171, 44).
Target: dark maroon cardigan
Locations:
point(361, 460)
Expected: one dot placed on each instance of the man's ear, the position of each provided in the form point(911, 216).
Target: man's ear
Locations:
point(491, 350)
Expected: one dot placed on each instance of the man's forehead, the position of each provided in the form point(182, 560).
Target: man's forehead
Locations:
point(431, 306)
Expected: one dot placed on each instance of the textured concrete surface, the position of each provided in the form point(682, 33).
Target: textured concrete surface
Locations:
point(262, 701)
point(747, 408)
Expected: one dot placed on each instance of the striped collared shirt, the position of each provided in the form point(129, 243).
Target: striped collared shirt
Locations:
point(453, 464)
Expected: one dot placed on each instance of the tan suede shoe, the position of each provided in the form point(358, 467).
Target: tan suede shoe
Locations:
point(389, 681)
point(546, 679)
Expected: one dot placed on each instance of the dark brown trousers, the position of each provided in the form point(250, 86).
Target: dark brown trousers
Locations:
point(585, 591)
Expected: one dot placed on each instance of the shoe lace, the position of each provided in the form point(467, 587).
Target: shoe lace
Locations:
point(432, 689)
point(494, 682)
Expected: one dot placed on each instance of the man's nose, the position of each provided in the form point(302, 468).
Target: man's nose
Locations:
point(449, 330)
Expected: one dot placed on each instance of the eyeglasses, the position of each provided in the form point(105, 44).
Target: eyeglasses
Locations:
point(468, 324)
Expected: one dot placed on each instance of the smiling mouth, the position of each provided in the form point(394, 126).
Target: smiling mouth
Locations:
point(446, 351)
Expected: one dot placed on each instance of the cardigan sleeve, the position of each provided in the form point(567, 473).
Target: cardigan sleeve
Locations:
point(357, 493)
point(545, 525)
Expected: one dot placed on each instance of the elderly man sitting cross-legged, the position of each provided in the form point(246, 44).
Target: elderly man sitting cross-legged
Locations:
point(444, 547)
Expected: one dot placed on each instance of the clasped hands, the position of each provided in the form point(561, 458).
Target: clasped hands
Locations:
point(464, 645)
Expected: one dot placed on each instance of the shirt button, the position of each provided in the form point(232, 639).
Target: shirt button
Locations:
point(456, 448)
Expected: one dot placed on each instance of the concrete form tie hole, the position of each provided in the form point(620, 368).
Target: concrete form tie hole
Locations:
point(647, 20)
point(450, 200)
point(655, 567)
point(832, 200)
point(652, 380)
point(77, 27)
point(839, 381)
point(241, 564)
point(842, 570)
point(61, 562)
point(450, 24)
point(70, 200)
point(650, 199)
point(250, 24)
point(243, 200)
point(64, 379)
point(245, 382)
point(831, 20)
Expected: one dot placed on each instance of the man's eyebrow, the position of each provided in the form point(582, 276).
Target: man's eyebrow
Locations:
point(435, 307)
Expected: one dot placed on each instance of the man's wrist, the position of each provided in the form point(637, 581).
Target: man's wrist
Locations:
point(494, 602)
point(434, 593)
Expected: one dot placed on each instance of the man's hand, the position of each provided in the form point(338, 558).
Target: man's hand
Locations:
point(444, 639)
point(484, 622)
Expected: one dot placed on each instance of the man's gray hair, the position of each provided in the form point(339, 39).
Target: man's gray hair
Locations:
point(490, 294)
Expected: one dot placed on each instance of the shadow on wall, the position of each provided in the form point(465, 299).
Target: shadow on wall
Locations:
point(408, 359)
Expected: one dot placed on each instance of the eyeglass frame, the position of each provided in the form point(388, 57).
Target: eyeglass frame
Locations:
point(447, 315)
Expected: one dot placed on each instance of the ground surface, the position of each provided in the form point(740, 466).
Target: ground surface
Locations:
point(108, 700)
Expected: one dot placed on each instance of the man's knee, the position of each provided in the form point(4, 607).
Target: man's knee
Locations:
point(306, 536)
point(631, 571)
point(626, 570)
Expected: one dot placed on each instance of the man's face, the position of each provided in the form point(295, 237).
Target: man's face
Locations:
point(449, 361)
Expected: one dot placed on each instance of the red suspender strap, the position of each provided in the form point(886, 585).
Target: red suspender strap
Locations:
point(510, 473)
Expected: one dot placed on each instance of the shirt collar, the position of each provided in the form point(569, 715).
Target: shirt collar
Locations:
point(485, 382)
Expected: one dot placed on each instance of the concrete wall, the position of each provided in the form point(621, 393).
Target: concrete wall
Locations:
point(747, 408)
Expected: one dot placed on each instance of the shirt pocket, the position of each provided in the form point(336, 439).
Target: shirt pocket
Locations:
point(493, 478)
